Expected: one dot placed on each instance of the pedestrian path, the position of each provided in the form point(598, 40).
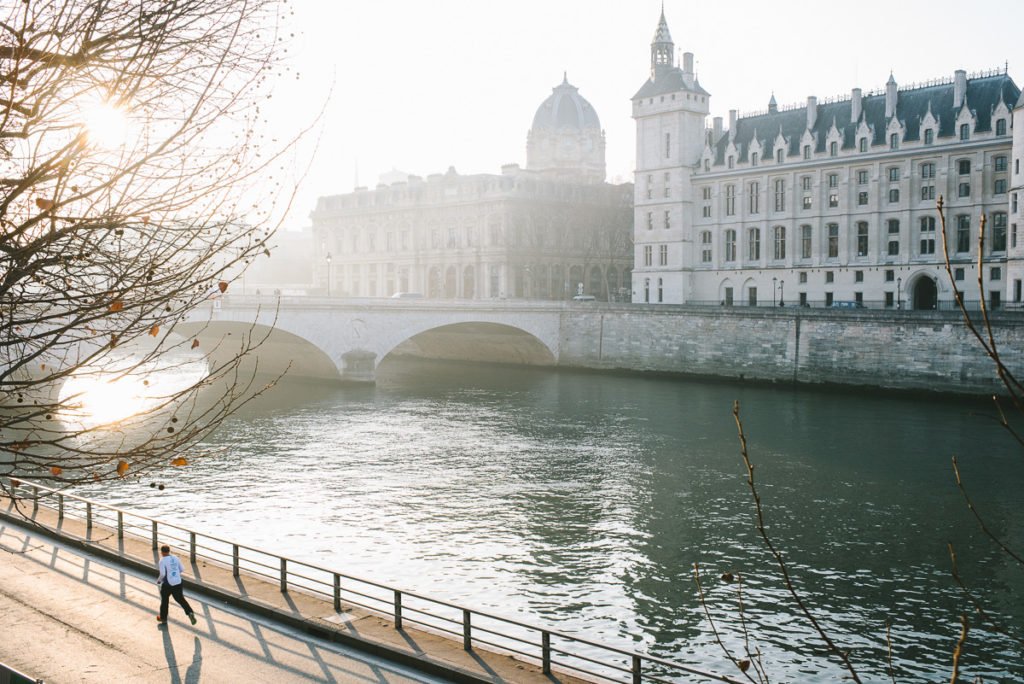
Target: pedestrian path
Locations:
point(71, 617)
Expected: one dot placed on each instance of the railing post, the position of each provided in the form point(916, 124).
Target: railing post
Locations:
point(467, 634)
point(545, 652)
point(234, 560)
point(192, 547)
point(60, 507)
point(120, 525)
point(284, 575)
point(637, 671)
point(337, 593)
point(88, 515)
point(35, 499)
point(398, 609)
point(152, 529)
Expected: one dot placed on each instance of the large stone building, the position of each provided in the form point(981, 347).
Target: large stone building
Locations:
point(830, 202)
point(550, 231)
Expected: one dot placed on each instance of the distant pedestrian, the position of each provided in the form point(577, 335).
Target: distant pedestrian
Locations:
point(169, 582)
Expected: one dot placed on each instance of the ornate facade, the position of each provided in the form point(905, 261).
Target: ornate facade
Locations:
point(550, 231)
point(827, 203)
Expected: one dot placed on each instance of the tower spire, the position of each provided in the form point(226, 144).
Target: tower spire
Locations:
point(662, 47)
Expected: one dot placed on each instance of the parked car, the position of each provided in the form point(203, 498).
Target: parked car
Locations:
point(584, 298)
point(407, 295)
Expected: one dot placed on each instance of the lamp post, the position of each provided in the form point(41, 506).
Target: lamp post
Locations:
point(328, 258)
point(782, 293)
point(899, 293)
point(774, 288)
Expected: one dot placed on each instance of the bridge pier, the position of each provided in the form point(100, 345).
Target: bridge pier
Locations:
point(359, 365)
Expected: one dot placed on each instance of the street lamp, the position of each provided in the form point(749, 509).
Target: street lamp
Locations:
point(328, 258)
point(782, 293)
point(774, 288)
point(899, 293)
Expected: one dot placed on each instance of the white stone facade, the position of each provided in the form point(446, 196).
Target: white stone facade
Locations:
point(828, 203)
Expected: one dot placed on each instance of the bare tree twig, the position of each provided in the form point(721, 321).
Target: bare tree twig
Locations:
point(777, 555)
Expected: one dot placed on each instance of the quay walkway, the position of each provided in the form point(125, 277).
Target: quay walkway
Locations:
point(79, 576)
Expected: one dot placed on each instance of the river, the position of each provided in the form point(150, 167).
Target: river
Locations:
point(582, 501)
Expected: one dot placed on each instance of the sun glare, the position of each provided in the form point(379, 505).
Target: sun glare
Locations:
point(106, 125)
point(97, 399)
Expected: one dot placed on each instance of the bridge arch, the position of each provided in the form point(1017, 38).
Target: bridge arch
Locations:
point(475, 341)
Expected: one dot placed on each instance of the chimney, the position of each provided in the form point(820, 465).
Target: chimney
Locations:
point(812, 111)
point(890, 97)
point(732, 124)
point(718, 129)
point(959, 88)
point(688, 64)
point(856, 106)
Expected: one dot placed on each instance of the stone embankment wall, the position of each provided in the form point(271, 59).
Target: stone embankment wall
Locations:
point(910, 350)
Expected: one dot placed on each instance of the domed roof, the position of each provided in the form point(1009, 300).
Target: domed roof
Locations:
point(565, 108)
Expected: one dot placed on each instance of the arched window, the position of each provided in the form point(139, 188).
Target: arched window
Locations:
point(965, 132)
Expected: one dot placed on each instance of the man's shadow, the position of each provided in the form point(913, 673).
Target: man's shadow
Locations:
point(192, 673)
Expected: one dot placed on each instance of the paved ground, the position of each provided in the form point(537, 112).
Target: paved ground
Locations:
point(68, 617)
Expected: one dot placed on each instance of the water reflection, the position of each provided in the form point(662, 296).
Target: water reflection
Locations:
point(582, 500)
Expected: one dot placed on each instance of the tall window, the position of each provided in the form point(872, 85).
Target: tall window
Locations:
point(999, 188)
point(753, 159)
point(927, 192)
point(862, 177)
point(893, 226)
point(862, 145)
point(663, 255)
point(999, 232)
point(780, 243)
point(755, 197)
point(894, 173)
point(963, 233)
point(754, 244)
point(894, 141)
point(999, 163)
point(862, 238)
point(730, 245)
point(1000, 126)
point(963, 167)
point(862, 198)
point(833, 241)
point(650, 220)
point(965, 132)
point(778, 155)
point(929, 136)
point(833, 148)
point(805, 182)
point(648, 252)
point(731, 161)
point(928, 170)
point(807, 151)
point(927, 235)
point(894, 195)
point(833, 180)
point(780, 194)
point(833, 199)
point(705, 247)
point(963, 190)
point(805, 242)
point(730, 200)
point(668, 145)
point(668, 223)
point(894, 237)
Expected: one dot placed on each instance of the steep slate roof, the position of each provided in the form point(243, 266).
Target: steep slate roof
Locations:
point(668, 81)
point(983, 94)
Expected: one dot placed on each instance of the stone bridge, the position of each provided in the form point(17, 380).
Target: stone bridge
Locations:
point(321, 338)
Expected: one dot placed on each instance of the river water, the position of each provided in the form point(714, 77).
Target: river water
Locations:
point(582, 500)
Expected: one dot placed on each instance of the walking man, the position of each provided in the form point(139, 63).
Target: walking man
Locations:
point(169, 582)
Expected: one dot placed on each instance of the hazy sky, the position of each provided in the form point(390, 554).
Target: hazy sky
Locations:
point(421, 86)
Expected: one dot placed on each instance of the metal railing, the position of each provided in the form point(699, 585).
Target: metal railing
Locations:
point(546, 647)
point(8, 675)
